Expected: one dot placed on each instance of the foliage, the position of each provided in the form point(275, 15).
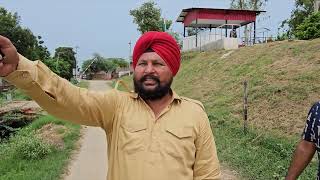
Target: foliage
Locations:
point(24, 40)
point(248, 4)
point(74, 81)
point(148, 18)
point(64, 62)
point(176, 36)
point(191, 31)
point(60, 67)
point(309, 28)
point(29, 147)
point(99, 63)
point(119, 62)
point(303, 9)
point(20, 163)
point(251, 5)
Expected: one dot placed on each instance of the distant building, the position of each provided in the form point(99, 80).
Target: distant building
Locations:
point(101, 75)
point(212, 26)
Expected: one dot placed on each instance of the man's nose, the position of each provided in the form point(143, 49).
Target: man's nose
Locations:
point(150, 68)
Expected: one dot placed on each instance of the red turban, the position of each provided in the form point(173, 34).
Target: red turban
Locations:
point(163, 44)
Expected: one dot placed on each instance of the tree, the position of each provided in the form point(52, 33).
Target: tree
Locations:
point(177, 37)
point(99, 63)
point(249, 5)
point(23, 39)
point(58, 66)
point(66, 55)
point(165, 24)
point(309, 28)
point(119, 62)
point(303, 9)
point(148, 18)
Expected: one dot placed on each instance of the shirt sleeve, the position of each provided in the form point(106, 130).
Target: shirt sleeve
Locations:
point(310, 130)
point(61, 98)
point(206, 165)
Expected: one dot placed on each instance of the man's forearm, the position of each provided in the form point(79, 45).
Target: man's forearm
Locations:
point(302, 156)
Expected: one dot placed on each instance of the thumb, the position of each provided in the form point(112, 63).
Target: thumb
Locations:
point(9, 52)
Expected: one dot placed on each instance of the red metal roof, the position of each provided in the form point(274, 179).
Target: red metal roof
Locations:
point(208, 17)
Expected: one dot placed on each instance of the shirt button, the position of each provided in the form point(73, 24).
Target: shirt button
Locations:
point(24, 75)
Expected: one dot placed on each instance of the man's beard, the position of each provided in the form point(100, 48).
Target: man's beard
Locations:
point(157, 93)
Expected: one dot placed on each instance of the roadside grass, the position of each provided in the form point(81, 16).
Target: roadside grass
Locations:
point(256, 154)
point(127, 80)
point(24, 156)
point(83, 84)
point(16, 94)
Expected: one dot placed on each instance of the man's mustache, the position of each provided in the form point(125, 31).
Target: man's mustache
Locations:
point(144, 78)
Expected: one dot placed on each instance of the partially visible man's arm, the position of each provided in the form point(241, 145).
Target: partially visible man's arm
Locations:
point(55, 94)
point(302, 156)
point(206, 166)
point(306, 147)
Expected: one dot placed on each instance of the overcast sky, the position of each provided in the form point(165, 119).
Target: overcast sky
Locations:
point(106, 27)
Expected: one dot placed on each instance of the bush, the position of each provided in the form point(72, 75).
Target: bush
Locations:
point(310, 28)
point(29, 147)
point(74, 81)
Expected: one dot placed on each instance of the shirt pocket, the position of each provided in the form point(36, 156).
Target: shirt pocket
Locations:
point(132, 137)
point(179, 142)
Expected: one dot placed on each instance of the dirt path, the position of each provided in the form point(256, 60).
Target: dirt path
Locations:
point(91, 160)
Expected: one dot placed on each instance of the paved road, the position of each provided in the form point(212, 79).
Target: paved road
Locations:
point(91, 161)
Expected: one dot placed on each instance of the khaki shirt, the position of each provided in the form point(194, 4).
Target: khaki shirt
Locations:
point(178, 145)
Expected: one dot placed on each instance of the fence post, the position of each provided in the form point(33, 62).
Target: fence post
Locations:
point(245, 107)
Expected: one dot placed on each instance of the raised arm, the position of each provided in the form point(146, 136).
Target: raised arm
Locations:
point(54, 94)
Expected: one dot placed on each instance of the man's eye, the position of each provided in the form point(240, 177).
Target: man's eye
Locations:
point(158, 64)
point(142, 64)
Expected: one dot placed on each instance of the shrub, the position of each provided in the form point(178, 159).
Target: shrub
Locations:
point(310, 28)
point(29, 147)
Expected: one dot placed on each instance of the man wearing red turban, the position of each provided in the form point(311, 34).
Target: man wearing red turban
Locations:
point(153, 133)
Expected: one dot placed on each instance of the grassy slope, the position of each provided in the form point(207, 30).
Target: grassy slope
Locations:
point(282, 77)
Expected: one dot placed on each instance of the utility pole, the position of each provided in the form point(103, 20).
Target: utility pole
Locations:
point(94, 59)
point(75, 71)
point(130, 57)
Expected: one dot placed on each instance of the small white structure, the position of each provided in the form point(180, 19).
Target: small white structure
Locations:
point(223, 25)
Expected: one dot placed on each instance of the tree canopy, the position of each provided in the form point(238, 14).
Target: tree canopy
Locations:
point(25, 41)
point(309, 28)
point(148, 18)
point(99, 63)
